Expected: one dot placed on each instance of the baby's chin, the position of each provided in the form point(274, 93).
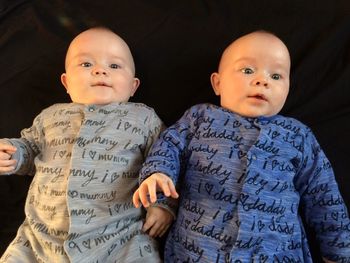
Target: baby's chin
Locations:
point(98, 102)
point(251, 113)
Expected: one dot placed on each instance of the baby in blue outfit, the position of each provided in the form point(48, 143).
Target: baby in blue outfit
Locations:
point(245, 174)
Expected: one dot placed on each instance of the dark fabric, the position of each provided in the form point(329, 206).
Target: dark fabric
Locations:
point(176, 45)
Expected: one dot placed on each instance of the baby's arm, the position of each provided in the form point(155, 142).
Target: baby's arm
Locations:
point(157, 222)
point(157, 181)
point(7, 165)
point(322, 204)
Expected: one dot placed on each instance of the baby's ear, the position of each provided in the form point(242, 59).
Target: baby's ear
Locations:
point(135, 85)
point(215, 82)
point(64, 81)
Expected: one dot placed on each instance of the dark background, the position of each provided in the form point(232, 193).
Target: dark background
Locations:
point(176, 46)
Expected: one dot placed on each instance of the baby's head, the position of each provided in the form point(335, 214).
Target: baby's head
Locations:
point(99, 68)
point(253, 75)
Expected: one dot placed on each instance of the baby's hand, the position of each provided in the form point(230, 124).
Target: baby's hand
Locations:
point(157, 222)
point(156, 181)
point(6, 164)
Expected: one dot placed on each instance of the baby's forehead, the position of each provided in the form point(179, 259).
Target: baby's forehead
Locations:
point(92, 42)
point(256, 39)
point(254, 46)
point(97, 39)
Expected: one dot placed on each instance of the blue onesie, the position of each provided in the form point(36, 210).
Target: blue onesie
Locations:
point(244, 183)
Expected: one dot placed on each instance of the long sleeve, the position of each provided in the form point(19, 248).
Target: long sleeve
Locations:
point(322, 203)
point(156, 126)
point(167, 156)
point(28, 147)
point(169, 152)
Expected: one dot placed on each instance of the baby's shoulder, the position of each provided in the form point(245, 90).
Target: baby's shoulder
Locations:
point(142, 113)
point(56, 107)
point(140, 106)
point(203, 109)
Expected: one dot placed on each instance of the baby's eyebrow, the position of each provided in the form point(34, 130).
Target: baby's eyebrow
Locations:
point(117, 58)
point(280, 67)
point(79, 56)
point(82, 54)
point(245, 59)
point(74, 58)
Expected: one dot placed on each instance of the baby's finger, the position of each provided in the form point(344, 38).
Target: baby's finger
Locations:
point(7, 148)
point(151, 184)
point(154, 231)
point(6, 170)
point(136, 199)
point(4, 155)
point(7, 166)
point(143, 191)
point(172, 189)
point(147, 225)
point(164, 186)
point(7, 163)
point(164, 230)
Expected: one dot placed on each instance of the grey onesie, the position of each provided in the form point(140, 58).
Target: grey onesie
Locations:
point(86, 160)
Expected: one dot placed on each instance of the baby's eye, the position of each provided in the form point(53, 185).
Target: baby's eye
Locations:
point(114, 66)
point(276, 76)
point(247, 71)
point(86, 64)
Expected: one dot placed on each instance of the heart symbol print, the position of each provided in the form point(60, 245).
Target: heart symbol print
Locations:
point(148, 248)
point(87, 244)
point(208, 187)
point(92, 154)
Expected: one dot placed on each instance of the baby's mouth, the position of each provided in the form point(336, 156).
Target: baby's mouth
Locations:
point(258, 97)
point(103, 84)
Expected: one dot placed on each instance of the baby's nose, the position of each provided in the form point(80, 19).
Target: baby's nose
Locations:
point(261, 83)
point(99, 71)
